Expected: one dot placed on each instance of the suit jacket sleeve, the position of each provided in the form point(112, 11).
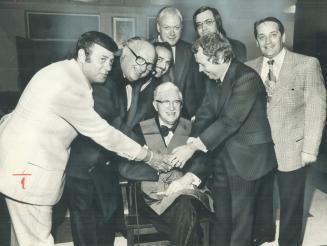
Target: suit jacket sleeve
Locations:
point(245, 92)
point(76, 107)
point(315, 108)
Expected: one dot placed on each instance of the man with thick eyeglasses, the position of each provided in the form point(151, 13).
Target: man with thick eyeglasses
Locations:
point(36, 137)
point(208, 20)
point(141, 61)
point(167, 103)
point(184, 70)
point(92, 178)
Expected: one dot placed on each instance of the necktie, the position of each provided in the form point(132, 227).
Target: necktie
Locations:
point(131, 113)
point(171, 73)
point(271, 80)
point(165, 130)
point(271, 75)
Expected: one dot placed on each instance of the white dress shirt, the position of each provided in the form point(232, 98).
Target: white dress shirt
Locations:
point(278, 62)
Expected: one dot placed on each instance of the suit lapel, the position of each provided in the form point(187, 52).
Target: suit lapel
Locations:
point(178, 66)
point(258, 65)
point(181, 134)
point(283, 82)
point(152, 135)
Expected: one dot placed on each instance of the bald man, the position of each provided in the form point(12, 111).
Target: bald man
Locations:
point(92, 179)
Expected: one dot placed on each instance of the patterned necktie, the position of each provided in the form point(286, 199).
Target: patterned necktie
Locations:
point(270, 82)
point(271, 76)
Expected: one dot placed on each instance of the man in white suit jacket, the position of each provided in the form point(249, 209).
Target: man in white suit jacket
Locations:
point(296, 112)
point(35, 138)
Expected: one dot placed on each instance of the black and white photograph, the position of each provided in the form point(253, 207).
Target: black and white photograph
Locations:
point(123, 28)
point(163, 122)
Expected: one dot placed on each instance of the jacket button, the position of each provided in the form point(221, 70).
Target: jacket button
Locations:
point(107, 163)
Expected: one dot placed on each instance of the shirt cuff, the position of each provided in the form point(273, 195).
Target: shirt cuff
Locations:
point(197, 143)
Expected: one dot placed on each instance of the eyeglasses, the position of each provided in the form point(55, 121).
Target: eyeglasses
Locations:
point(141, 61)
point(208, 22)
point(166, 103)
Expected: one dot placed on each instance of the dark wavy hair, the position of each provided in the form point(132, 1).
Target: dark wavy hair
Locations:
point(215, 14)
point(216, 46)
point(271, 19)
point(88, 39)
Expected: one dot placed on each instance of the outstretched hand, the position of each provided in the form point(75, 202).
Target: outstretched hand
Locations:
point(182, 154)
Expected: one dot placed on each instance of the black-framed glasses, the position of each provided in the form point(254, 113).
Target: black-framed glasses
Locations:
point(141, 61)
point(208, 22)
point(166, 103)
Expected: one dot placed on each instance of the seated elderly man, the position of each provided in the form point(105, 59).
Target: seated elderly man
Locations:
point(176, 214)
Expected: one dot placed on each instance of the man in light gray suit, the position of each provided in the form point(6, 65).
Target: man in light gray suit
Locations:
point(35, 138)
point(296, 112)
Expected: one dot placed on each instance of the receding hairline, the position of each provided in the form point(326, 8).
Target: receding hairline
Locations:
point(166, 86)
point(169, 10)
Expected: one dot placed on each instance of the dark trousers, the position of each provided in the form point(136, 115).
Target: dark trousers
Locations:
point(87, 221)
point(234, 203)
point(179, 223)
point(291, 187)
point(4, 223)
point(264, 219)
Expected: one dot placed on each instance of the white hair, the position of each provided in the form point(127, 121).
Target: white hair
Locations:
point(169, 10)
point(166, 86)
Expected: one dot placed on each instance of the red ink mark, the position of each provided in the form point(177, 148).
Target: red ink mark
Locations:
point(23, 179)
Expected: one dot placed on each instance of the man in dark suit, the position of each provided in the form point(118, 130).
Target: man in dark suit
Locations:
point(296, 111)
point(184, 70)
point(92, 182)
point(232, 127)
point(208, 20)
point(133, 99)
point(177, 214)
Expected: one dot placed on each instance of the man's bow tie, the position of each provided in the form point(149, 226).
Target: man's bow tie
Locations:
point(165, 130)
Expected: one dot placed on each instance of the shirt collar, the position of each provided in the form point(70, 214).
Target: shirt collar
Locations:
point(161, 123)
point(278, 59)
point(224, 74)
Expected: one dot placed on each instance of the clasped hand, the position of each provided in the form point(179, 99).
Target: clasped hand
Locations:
point(161, 162)
point(181, 155)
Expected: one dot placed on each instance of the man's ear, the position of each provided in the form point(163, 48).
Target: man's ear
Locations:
point(158, 28)
point(81, 56)
point(283, 38)
point(155, 105)
point(257, 43)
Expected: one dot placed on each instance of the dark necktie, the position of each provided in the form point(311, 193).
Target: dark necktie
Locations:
point(171, 73)
point(131, 112)
point(271, 76)
point(164, 130)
